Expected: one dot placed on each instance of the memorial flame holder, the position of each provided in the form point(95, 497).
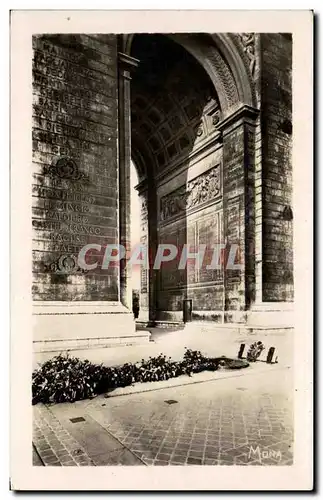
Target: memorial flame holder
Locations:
point(269, 358)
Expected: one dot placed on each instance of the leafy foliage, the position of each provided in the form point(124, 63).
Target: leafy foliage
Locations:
point(66, 378)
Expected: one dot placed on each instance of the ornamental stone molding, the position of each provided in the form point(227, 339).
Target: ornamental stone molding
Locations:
point(248, 42)
point(65, 264)
point(64, 167)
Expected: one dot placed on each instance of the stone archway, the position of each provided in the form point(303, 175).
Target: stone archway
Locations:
point(82, 132)
point(228, 59)
point(193, 148)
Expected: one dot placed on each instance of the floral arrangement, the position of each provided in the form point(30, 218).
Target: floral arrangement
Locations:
point(66, 378)
point(254, 351)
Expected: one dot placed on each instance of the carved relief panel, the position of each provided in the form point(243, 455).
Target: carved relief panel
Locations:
point(248, 42)
point(204, 188)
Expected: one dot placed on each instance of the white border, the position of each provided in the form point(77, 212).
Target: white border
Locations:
point(23, 475)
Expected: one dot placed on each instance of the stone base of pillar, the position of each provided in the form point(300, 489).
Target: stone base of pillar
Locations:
point(62, 326)
point(141, 323)
point(271, 314)
point(201, 327)
point(170, 316)
point(143, 319)
point(264, 317)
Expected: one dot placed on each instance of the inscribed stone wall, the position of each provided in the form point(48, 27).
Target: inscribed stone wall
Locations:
point(191, 214)
point(75, 163)
point(277, 167)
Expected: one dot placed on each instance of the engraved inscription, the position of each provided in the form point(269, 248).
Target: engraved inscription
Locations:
point(74, 163)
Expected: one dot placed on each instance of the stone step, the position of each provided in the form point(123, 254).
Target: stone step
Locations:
point(237, 328)
point(59, 345)
point(169, 324)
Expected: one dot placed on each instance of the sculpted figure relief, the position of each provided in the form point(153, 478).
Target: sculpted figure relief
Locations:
point(248, 42)
point(200, 190)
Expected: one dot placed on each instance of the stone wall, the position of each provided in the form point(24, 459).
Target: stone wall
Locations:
point(191, 213)
point(75, 164)
point(276, 121)
point(254, 208)
point(205, 177)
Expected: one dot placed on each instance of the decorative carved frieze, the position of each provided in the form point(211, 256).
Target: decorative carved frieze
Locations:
point(65, 264)
point(202, 189)
point(65, 168)
point(216, 118)
point(225, 82)
point(143, 215)
point(143, 205)
point(248, 42)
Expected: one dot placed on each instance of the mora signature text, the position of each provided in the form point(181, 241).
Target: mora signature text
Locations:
point(263, 454)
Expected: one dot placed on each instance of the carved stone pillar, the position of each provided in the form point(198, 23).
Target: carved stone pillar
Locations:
point(144, 273)
point(238, 207)
point(153, 243)
point(125, 65)
point(148, 237)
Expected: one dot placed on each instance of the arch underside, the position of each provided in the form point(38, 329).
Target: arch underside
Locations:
point(221, 84)
point(174, 106)
point(223, 57)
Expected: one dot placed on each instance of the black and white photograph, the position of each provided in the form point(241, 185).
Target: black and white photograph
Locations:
point(162, 253)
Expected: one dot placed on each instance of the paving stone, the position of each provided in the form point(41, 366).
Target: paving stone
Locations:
point(63, 456)
point(168, 443)
point(182, 448)
point(164, 456)
point(50, 460)
point(51, 448)
point(166, 449)
point(218, 424)
point(123, 457)
point(179, 458)
point(43, 447)
point(196, 454)
point(46, 454)
point(36, 459)
point(209, 462)
point(211, 449)
point(85, 463)
point(194, 461)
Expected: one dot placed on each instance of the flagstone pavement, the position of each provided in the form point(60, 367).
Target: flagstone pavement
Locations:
point(241, 420)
